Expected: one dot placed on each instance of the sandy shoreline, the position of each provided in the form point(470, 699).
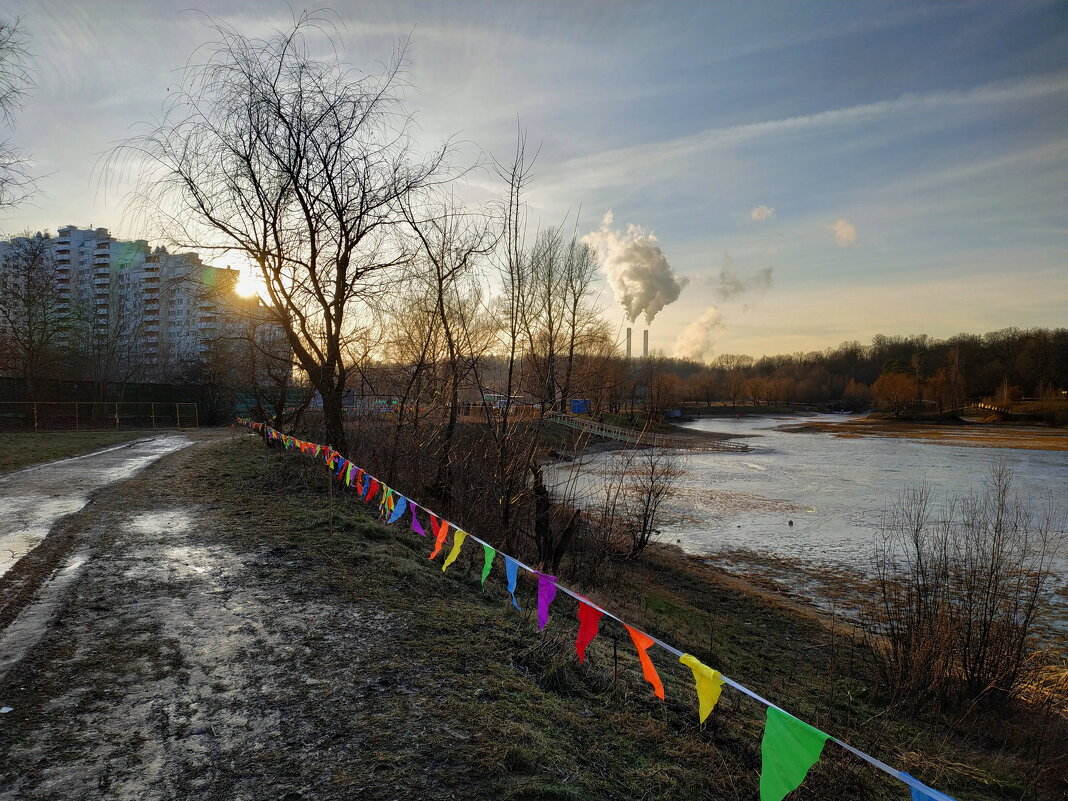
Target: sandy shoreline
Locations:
point(976, 435)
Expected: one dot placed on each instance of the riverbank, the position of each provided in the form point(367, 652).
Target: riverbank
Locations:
point(972, 435)
point(240, 628)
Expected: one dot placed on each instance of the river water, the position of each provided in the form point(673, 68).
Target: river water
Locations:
point(832, 489)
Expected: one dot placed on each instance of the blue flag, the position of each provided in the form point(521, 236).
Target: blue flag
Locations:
point(511, 570)
point(398, 510)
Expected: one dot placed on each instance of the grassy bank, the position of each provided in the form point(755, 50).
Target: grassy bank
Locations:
point(483, 705)
point(18, 450)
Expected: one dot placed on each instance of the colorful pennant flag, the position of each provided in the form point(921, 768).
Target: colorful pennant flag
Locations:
point(925, 794)
point(457, 543)
point(589, 622)
point(398, 509)
point(487, 562)
point(789, 749)
point(546, 593)
point(417, 527)
point(709, 685)
point(441, 531)
point(372, 488)
point(511, 572)
point(642, 641)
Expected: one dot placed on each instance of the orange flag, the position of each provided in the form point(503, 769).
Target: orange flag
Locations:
point(642, 641)
point(441, 531)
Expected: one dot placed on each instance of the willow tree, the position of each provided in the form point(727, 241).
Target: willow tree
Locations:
point(301, 167)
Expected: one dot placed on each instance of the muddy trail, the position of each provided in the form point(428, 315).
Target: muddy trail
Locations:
point(156, 662)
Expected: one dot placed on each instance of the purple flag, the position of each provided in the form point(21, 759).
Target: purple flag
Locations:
point(546, 593)
point(417, 527)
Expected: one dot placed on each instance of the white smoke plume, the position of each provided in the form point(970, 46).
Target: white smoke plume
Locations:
point(730, 285)
point(636, 268)
point(698, 339)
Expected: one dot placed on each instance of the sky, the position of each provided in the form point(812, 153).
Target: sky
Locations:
point(812, 173)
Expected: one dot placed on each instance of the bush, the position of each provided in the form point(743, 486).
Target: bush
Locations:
point(960, 591)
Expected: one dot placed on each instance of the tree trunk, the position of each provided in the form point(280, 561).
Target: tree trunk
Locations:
point(334, 418)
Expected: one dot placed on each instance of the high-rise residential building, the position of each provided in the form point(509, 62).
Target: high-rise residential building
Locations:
point(136, 312)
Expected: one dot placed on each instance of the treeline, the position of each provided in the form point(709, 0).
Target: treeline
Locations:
point(1004, 366)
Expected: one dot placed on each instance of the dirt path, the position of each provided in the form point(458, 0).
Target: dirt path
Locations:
point(160, 664)
point(33, 499)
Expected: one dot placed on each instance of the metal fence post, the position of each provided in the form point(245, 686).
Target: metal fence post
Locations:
point(116, 417)
point(35, 417)
point(76, 426)
point(153, 413)
point(177, 416)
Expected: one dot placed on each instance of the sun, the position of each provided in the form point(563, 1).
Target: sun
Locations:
point(247, 286)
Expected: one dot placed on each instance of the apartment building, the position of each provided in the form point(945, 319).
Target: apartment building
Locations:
point(135, 312)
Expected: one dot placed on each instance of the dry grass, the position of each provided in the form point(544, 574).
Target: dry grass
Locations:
point(460, 696)
point(994, 435)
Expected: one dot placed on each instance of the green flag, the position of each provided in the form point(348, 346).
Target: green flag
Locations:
point(789, 748)
point(490, 553)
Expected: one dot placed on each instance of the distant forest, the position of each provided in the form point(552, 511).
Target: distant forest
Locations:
point(1002, 366)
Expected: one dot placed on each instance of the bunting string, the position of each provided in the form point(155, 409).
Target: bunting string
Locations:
point(789, 747)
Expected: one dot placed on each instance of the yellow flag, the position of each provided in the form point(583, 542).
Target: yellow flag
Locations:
point(709, 684)
point(457, 542)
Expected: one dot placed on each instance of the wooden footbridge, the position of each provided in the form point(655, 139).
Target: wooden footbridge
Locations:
point(591, 426)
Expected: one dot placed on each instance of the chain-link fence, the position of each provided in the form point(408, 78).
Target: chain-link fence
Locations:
point(76, 416)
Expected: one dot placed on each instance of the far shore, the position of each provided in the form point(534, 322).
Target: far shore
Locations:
point(977, 435)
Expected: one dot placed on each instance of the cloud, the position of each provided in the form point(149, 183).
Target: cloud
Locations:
point(845, 233)
point(636, 268)
point(697, 340)
point(728, 284)
point(762, 212)
point(615, 167)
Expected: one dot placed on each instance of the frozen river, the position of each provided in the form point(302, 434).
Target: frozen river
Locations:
point(833, 489)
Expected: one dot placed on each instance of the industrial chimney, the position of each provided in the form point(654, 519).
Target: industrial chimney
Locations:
point(645, 345)
point(628, 343)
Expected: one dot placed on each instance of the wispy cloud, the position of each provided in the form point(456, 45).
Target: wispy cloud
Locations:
point(617, 166)
point(845, 233)
point(761, 213)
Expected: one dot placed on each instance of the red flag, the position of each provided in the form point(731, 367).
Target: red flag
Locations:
point(441, 531)
point(372, 489)
point(589, 621)
point(642, 641)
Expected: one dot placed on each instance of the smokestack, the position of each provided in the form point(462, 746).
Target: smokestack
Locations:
point(628, 343)
point(645, 345)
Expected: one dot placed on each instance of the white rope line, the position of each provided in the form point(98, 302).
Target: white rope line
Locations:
point(933, 794)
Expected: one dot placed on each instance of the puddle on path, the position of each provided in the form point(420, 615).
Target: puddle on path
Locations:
point(32, 500)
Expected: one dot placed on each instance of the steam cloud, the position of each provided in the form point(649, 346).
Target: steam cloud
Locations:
point(698, 338)
point(731, 285)
point(636, 268)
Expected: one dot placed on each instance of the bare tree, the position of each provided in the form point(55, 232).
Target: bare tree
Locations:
point(290, 160)
point(16, 183)
point(654, 473)
point(960, 590)
point(33, 315)
point(452, 241)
